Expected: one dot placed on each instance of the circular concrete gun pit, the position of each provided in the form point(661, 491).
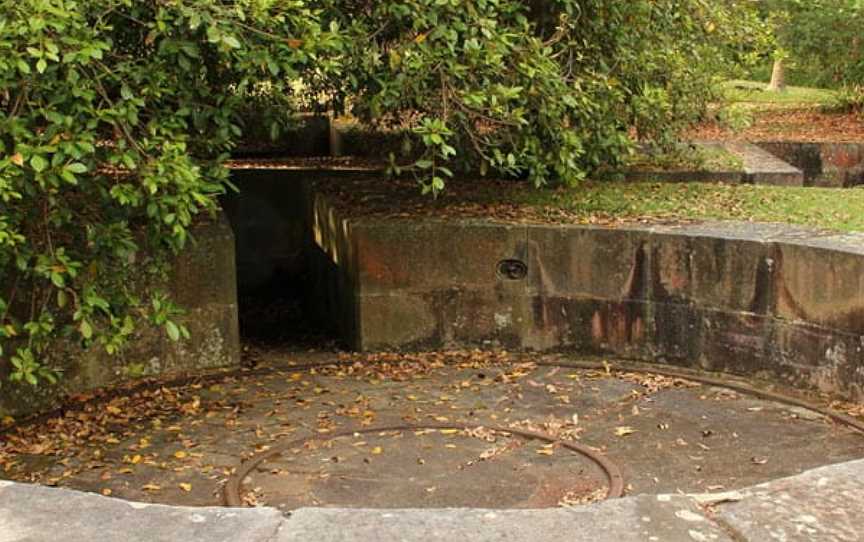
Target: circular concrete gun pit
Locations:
point(427, 468)
point(664, 434)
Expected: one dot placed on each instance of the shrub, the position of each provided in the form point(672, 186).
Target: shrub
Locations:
point(116, 117)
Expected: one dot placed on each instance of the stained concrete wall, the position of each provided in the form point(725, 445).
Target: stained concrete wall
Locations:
point(203, 282)
point(765, 300)
point(824, 164)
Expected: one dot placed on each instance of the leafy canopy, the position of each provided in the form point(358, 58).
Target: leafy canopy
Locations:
point(116, 117)
point(821, 38)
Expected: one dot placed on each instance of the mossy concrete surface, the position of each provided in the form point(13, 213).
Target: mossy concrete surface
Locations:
point(745, 164)
point(834, 165)
point(203, 282)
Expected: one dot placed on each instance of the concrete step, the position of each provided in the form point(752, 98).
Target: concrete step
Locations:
point(758, 166)
point(762, 167)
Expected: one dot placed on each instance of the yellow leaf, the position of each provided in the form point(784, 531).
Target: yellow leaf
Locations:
point(135, 459)
point(545, 451)
point(377, 450)
point(185, 487)
point(113, 410)
point(448, 431)
point(180, 454)
point(624, 430)
point(17, 159)
point(107, 492)
point(151, 487)
point(421, 37)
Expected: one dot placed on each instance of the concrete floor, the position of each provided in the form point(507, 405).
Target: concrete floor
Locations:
point(666, 436)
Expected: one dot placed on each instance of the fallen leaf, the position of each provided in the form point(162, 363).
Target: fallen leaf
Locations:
point(180, 454)
point(185, 487)
point(151, 487)
point(624, 430)
point(377, 450)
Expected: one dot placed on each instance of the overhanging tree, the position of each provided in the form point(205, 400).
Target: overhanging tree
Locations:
point(116, 117)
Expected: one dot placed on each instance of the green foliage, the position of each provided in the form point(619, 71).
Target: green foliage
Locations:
point(550, 90)
point(116, 117)
point(850, 99)
point(822, 40)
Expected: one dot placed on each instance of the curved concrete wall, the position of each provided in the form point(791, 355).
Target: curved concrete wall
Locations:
point(820, 504)
point(766, 300)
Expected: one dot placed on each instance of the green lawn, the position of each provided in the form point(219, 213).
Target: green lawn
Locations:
point(831, 208)
point(753, 92)
point(693, 158)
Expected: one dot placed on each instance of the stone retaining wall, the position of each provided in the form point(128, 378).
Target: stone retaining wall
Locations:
point(204, 283)
point(824, 164)
point(752, 299)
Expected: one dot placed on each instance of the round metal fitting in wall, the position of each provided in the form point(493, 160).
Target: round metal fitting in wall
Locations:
point(512, 269)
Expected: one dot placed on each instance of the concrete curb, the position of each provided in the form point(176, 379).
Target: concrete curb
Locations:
point(821, 504)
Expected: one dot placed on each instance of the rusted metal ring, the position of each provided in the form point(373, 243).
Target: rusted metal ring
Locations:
point(842, 419)
point(635, 367)
point(231, 491)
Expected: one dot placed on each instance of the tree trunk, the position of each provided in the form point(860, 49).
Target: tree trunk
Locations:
point(778, 77)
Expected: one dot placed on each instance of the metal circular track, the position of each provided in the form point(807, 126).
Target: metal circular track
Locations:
point(231, 491)
point(616, 367)
point(842, 419)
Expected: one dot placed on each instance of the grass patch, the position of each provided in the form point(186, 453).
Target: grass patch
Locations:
point(830, 208)
point(687, 157)
point(754, 92)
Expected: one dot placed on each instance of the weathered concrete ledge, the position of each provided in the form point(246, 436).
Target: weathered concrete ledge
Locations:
point(824, 164)
point(767, 300)
point(203, 283)
point(822, 504)
point(757, 166)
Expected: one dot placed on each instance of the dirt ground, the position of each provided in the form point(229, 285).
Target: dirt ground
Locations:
point(801, 124)
point(180, 444)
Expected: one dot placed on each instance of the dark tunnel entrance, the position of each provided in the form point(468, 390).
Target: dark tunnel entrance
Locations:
point(269, 216)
